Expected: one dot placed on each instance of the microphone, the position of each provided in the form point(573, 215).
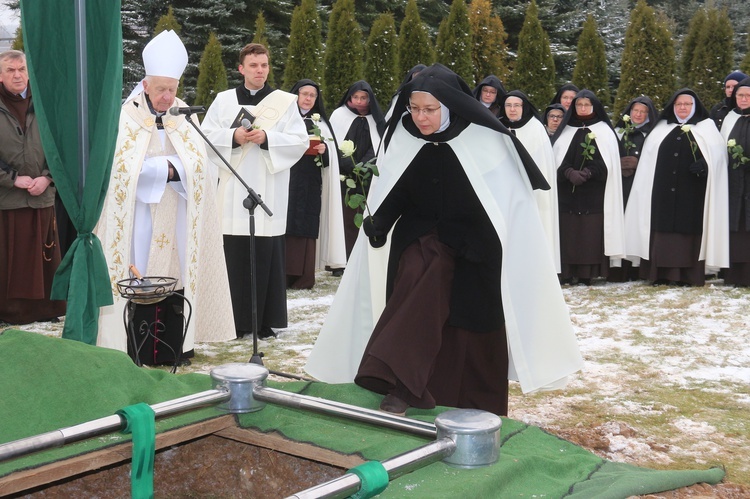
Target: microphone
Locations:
point(247, 124)
point(176, 111)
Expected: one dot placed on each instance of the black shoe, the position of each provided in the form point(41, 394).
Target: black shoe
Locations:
point(266, 332)
point(393, 405)
point(337, 272)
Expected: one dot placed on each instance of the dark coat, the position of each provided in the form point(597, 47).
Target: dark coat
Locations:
point(434, 193)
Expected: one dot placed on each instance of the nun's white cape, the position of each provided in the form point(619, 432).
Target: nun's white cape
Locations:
point(542, 346)
point(715, 238)
point(614, 223)
point(341, 120)
point(534, 138)
point(330, 247)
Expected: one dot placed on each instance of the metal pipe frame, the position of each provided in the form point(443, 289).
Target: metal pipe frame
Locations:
point(320, 405)
point(402, 464)
point(104, 425)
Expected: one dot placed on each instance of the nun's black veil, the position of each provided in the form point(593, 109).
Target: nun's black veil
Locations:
point(452, 91)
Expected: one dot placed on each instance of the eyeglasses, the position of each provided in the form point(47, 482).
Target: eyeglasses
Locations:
point(583, 105)
point(739, 96)
point(489, 90)
point(308, 94)
point(554, 117)
point(427, 111)
point(513, 105)
point(683, 104)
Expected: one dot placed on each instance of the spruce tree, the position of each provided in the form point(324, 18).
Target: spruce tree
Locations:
point(489, 52)
point(18, 40)
point(198, 18)
point(167, 22)
point(212, 75)
point(648, 62)
point(260, 37)
point(534, 71)
point(344, 53)
point(381, 63)
point(591, 65)
point(454, 42)
point(305, 51)
point(414, 43)
point(713, 57)
point(745, 66)
point(689, 43)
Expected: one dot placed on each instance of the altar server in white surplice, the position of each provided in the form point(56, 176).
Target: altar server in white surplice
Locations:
point(262, 154)
point(160, 212)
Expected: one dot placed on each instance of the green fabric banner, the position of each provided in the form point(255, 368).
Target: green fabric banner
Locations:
point(49, 30)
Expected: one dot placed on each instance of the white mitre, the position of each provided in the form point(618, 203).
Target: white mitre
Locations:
point(165, 55)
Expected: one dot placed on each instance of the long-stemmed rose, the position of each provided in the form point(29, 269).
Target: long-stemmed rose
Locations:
point(361, 175)
point(626, 133)
point(693, 146)
point(589, 150)
point(737, 153)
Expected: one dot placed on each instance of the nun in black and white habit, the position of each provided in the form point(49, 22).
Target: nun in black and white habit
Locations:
point(454, 292)
point(676, 220)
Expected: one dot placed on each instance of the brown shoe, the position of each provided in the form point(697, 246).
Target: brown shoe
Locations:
point(394, 405)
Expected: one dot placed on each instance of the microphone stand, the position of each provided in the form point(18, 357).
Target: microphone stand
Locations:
point(252, 201)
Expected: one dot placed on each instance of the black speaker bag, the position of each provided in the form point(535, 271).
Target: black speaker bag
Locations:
point(159, 329)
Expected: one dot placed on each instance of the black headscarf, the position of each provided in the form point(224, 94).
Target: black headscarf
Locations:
point(447, 87)
point(529, 111)
point(375, 110)
point(410, 76)
point(571, 117)
point(733, 99)
point(652, 117)
point(700, 114)
point(558, 95)
point(318, 107)
point(491, 81)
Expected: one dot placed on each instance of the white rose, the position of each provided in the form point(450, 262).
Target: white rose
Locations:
point(731, 143)
point(685, 128)
point(347, 148)
point(315, 117)
point(591, 136)
point(342, 178)
point(626, 118)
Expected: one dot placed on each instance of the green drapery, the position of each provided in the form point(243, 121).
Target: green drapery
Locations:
point(49, 30)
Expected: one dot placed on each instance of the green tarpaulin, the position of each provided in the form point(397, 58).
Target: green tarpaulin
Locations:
point(78, 134)
point(77, 382)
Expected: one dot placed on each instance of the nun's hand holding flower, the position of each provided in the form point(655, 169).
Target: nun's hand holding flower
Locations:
point(589, 150)
point(357, 182)
point(737, 153)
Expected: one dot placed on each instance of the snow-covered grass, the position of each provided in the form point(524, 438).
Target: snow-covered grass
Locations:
point(666, 382)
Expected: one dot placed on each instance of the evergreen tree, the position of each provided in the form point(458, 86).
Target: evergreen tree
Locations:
point(198, 19)
point(18, 40)
point(454, 42)
point(381, 63)
point(167, 22)
point(534, 71)
point(591, 66)
point(713, 57)
point(488, 51)
point(344, 53)
point(648, 62)
point(305, 51)
point(689, 43)
point(745, 66)
point(260, 37)
point(212, 75)
point(414, 44)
